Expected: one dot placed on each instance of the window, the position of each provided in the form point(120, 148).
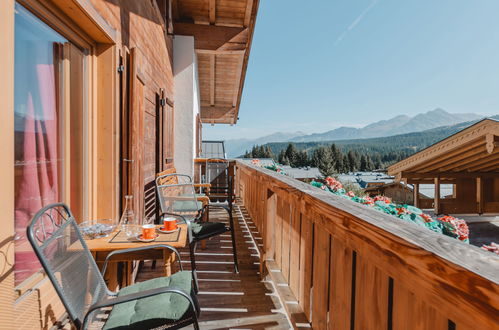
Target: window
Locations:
point(49, 128)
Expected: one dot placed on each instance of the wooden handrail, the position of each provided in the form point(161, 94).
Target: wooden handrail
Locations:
point(346, 263)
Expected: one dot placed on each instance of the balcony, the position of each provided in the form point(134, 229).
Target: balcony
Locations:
point(316, 260)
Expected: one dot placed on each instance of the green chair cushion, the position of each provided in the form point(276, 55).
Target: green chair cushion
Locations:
point(153, 311)
point(186, 206)
point(207, 228)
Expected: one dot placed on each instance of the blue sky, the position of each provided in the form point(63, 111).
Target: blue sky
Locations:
point(319, 64)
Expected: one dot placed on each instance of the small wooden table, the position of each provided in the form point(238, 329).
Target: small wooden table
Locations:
point(101, 247)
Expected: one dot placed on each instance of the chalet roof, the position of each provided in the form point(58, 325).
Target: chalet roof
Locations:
point(472, 151)
point(223, 31)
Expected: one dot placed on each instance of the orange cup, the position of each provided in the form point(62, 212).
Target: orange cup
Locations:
point(148, 231)
point(169, 223)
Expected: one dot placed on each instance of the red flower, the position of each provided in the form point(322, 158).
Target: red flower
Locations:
point(350, 194)
point(401, 210)
point(426, 217)
point(382, 199)
point(459, 226)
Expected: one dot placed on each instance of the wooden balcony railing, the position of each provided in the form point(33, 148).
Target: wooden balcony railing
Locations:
point(350, 267)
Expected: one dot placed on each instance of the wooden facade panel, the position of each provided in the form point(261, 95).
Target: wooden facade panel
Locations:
point(340, 287)
point(279, 215)
point(286, 243)
point(412, 313)
point(294, 253)
point(306, 260)
point(371, 296)
point(320, 277)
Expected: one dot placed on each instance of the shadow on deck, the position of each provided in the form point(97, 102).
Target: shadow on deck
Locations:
point(229, 300)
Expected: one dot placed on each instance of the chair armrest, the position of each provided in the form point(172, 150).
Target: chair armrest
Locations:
point(140, 295)
point(142, 248)
point(204, 199)
point(202, 185)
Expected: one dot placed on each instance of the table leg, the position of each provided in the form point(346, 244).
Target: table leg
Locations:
point(169, 259)
point(111, 275)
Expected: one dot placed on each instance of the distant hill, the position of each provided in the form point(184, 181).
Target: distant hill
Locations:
point(237, 147)
point(408, 143)
point(398, 125)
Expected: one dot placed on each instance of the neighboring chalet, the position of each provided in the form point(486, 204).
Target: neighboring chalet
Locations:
point(399, 192)
point(96, 97)
point(469, 160)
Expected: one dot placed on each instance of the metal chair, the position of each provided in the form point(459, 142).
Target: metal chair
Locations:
point(166, 302)
point(177, 197)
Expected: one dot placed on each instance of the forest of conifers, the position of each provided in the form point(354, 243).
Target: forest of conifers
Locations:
point(352, 155)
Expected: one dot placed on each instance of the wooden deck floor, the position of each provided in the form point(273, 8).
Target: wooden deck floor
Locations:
point(229, 300)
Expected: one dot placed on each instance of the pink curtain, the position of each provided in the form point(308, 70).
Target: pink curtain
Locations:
point(36, 173)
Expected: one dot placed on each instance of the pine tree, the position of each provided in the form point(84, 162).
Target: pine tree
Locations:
point(363, 163)
point(291, 153)
point(324, 161)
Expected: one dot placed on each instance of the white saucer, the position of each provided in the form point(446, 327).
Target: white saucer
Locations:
point(167, 231)
point(139, 237)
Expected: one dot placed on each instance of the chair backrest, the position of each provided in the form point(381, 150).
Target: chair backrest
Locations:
point(176, 194)
point(63, 253)
point(163, 178)
point(217, 174)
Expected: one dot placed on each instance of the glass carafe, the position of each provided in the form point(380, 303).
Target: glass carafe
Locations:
point(128, 221)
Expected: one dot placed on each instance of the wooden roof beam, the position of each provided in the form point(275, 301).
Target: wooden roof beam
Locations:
point(216, 113)
point(213, 12)
point(482, 159)
point(449, 156)
point(247, 13)
point(447, 175)
point(457, 160)
point(237, 81)
point(213, 37)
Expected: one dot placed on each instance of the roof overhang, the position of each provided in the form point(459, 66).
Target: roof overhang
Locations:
point(223, 31)
point(472, 152)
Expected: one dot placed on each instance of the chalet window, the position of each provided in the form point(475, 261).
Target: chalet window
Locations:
point(48, 128)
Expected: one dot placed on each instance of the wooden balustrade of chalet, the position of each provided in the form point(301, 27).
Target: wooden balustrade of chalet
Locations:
point(351, 267)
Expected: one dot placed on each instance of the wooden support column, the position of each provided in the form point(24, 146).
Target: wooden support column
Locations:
point(416, 194)
point(479, 194)
point(437, 195)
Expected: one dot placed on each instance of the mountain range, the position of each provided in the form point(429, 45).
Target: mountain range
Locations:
point(397, 125)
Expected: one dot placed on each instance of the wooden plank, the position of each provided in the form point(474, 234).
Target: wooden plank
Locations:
point(286, 236)
point(278, 231)
point(412, 313)
point(212, 79)
point(209, 37)
point(306, 259)
point(320, 278)
point(212, 9)
point(479, 194)
point(436, 199)
point(237, 81)
point(340, 290)
point(294, 254)
point(247, 12)
point(371, 296)
point(269, 239)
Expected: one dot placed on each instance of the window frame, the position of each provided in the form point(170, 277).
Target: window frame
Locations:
point(59, 23)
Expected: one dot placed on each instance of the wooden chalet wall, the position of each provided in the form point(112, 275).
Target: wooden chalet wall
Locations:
point(141, 27)
point(348, 267)
point(128, 32)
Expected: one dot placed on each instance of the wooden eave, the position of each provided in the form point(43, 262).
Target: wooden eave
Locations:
point(472, 152)
point(222, 31)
